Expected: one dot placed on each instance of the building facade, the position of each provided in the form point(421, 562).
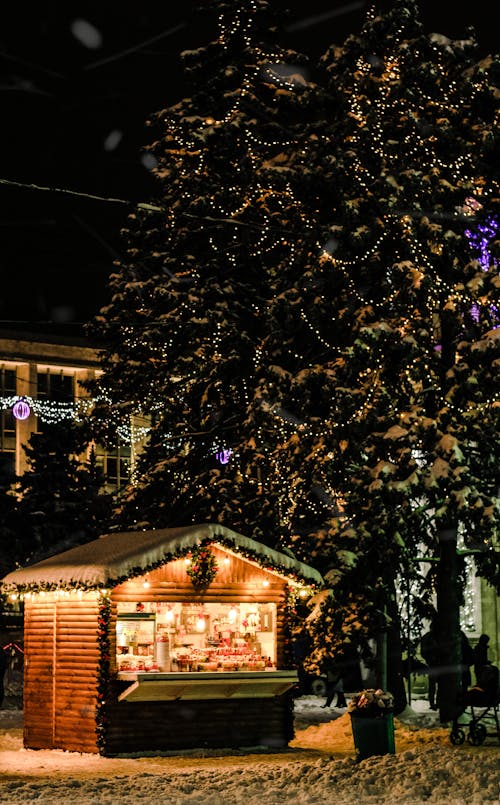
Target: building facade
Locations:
point(43, 372)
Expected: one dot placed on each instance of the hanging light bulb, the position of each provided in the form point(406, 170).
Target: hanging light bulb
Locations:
point(232, 614)
point(169, 615)
point(200, 623)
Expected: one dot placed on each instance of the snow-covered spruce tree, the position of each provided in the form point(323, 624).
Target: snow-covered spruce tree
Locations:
point(414, 314)
point(184, 328)
point(9, 530)
point(61, 499)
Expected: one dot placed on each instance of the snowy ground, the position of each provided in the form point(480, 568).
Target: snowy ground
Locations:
point(319, 767)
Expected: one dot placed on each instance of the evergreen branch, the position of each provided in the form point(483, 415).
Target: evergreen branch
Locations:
point(258, 227)
point(437, 216)
point(220, 220)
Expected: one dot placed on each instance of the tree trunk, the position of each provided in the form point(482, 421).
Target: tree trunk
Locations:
point(449, 692)
point(389, 664)
point(395, 671)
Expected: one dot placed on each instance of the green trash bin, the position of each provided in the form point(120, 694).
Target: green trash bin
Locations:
point(373, 735)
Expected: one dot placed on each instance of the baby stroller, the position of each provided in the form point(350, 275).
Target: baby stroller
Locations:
point(483, 703)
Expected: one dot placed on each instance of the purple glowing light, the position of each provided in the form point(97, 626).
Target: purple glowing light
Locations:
point(223, 456)
point(21, 409)
point(479, 241)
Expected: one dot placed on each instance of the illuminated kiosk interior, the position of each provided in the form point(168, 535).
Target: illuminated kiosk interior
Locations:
point(180, 637)
point(159, 641)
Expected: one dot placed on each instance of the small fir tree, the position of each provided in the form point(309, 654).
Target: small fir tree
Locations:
point(62, 502)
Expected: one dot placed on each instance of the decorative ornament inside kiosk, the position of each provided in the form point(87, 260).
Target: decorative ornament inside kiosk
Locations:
point(202, 568)
point(21, 409)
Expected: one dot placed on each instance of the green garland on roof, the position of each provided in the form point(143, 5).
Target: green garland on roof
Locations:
point(266, 562)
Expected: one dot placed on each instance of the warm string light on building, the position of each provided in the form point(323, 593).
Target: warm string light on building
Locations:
point(53, 412)
point(49, 411)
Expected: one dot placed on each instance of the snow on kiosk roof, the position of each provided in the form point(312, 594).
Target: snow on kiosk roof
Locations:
point(112, 558)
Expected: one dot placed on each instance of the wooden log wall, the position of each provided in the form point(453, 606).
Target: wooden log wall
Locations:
point(38, 686)
point(170, 726)
point(61, 672)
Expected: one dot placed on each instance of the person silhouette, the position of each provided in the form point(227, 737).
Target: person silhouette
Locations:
point(336, 668)
point(467, 661)
point(430, 652)
point(480, 652)
point(334, 687)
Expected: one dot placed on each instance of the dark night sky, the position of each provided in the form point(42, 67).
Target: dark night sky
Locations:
point(73, 117)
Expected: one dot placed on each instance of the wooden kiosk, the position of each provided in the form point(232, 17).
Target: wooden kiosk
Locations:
point(156, 641)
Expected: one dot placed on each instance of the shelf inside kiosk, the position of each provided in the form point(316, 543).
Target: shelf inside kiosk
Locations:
point(156, 637)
